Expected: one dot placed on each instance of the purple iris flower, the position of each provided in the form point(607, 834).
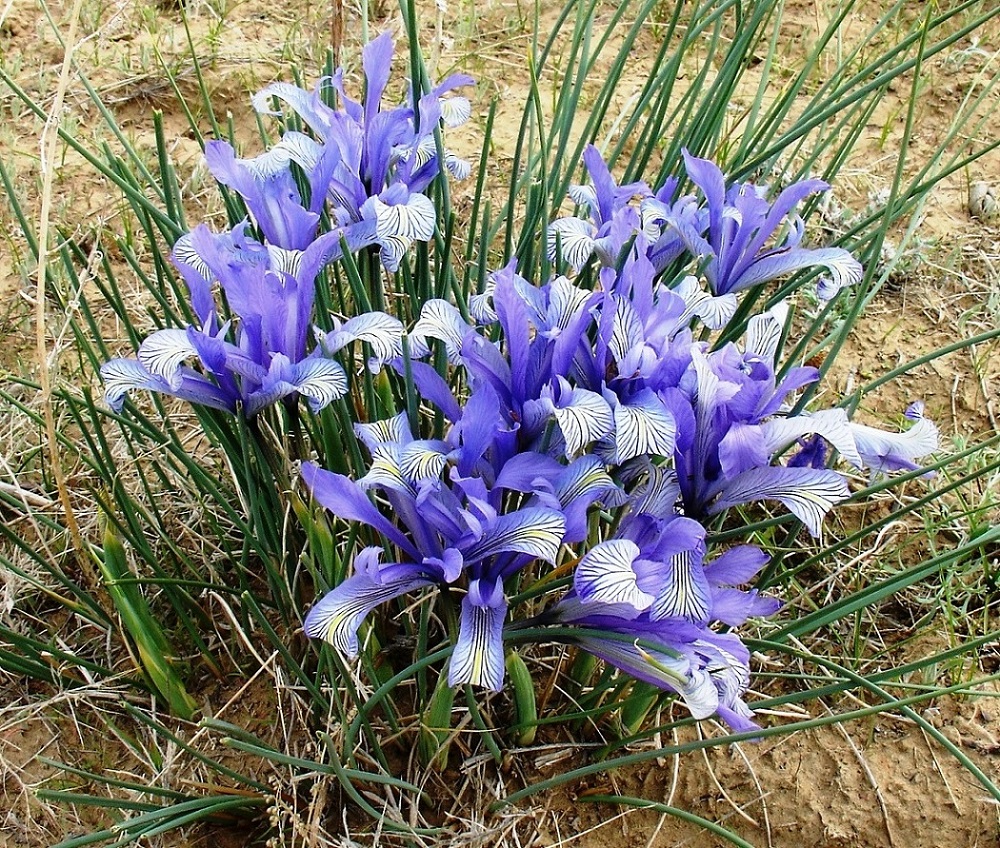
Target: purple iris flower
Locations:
point(542, 329)
point(737, 425)
point(670, 646)
point(261, 353)
point(445, 530)
point(748, 240)
point(612, 219)
point(376, 160)
point(709, 670)
point(656, 563)
point(268, 187)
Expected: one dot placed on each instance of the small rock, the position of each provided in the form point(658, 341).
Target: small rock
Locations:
point(984, 203)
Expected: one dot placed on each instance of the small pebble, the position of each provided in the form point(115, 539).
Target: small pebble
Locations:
point(984, 203)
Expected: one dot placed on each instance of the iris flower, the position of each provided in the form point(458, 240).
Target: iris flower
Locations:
point(644, 602)
point(376, 160)
point(446, 531)
point(745, 240)
point(261, 354)
point(612, 219)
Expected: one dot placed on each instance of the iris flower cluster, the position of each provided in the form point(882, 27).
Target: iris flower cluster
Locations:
point(365, 166)
point(593, 433)
point(597, 433)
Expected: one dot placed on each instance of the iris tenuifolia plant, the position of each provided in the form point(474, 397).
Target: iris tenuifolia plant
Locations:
point(557, 454)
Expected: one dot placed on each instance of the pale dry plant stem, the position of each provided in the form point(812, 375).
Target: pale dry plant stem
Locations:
point(940, 771)
point(737, 808)
point(761, 794)
point(872, 780)
point(49, 138)
point(6, 11)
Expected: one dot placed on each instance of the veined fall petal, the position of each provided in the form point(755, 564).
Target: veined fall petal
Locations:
point(807, 492)
point(478, 655)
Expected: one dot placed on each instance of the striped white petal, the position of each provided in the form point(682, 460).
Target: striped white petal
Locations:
point(320, 381)
point(285, 261)
point(605, 575)
point(764, 332)
point(412, 221)
point(478, 655)
point(685, 592)
point(274, 391)
point(337, 617)
point(388, 430)
point(807, 492)
point(423, 152)
point(711, 392)
point(385, 471)
point(585, 196)
point(439, 320)
point(626, 331)
point(302, 150)
point(122, 375)
point(458, 167)
point(658, 494)
point(419, 461)
point(643, 427)
point(269, 164)
point(583, 417)
point(831, 424)
point(652, 216)
point(841, 265)
point(882, 451)
point(715, 312)
point(185, 254)
point(455, 110)
point(261, 101)
point(700, 695)
point(244, 366)
point(565, 302)
point(383, 332)
point(533, 531)
point(480, 309)
point(586, 476)
point(162, 353)
point(392, 249)
point(575, 237)
point(730, 675)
